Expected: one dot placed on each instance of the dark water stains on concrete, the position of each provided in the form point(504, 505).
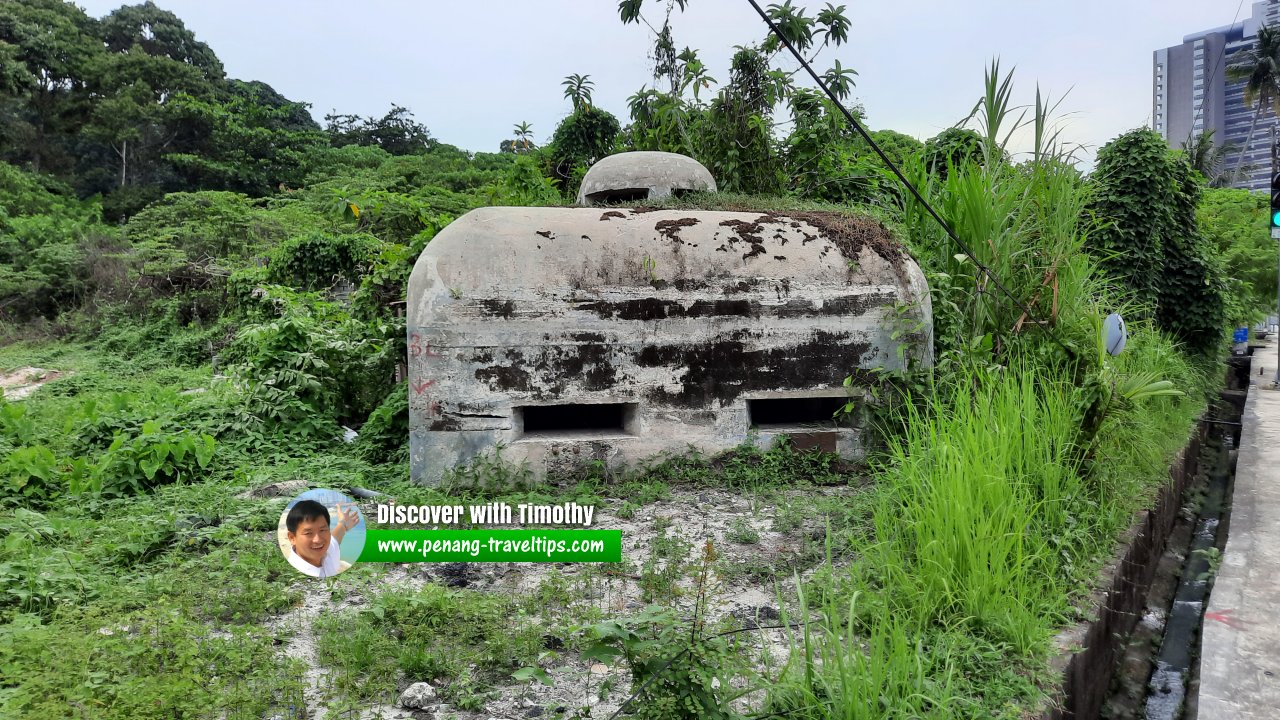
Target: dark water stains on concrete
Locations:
point(611, 214)
point(645, 309)
point(591, 364)
point(499, 308)
point(687, 285)
point(857, 304)
point(552, 369)
point(724, 369)
point(658, 309)
point(546, 234)
point(845, 306)
point(503, 378)
point(445, 424)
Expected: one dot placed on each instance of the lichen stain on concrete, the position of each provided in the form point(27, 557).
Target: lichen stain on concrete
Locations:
point(592, 363)
point(670, 229)
point(658, 309)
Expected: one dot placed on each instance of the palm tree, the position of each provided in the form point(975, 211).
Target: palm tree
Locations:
point(578, 89)
point(1210, 159)
point(1260, 69)
point(524, 136)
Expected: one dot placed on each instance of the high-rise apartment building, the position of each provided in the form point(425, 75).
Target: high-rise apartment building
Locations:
point(1191, 93)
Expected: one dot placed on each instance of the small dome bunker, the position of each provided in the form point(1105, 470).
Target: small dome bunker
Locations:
point(643, 175)
point(570, 335)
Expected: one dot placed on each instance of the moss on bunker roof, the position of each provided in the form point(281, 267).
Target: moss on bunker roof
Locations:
point(852, 230)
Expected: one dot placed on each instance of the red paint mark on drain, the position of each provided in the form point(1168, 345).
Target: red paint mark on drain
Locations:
point(1225, 618)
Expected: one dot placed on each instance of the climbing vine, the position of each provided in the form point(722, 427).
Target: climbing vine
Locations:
point(1145, 237)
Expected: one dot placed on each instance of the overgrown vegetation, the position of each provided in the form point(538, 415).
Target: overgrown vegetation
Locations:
point(217, 280)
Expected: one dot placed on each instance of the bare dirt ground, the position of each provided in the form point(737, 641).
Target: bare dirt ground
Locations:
point(760, 549)
point(20, 383)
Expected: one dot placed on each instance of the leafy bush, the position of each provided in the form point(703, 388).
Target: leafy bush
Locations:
point(32, 473)
point(133, 465)
point(579, 140)
point(952, 148)
point(684, 670)
point(27, 193)
point(41, 585)
point(1230, 221)
point(384, 437)
point(303, 371)
point(316, 261)
point(43, 267)
point(206, 224)
point(1192, 293)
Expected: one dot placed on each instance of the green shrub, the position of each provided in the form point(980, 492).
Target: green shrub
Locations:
point(136, 464)
point(32, 473)
point(316, 261)
point(952, 148)
point(384, 437)
point(305, 370)
point(685, 670)
point(206, 224)
point(1229, 220)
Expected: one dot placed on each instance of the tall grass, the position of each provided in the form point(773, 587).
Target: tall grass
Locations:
point(996, 505)
point(973, 490)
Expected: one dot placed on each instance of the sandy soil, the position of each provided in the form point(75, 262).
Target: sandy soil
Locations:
point(20, 383)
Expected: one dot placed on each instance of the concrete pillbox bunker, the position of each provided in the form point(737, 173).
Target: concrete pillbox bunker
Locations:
point(568, 335)
point(643, 175)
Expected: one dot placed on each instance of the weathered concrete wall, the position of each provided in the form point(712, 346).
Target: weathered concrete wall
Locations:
point(683, 315)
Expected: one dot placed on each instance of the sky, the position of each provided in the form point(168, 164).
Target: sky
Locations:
point(471, 69)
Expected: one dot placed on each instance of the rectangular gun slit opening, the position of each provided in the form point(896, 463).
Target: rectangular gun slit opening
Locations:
point(575, 420)
point(798, 413)
point(618, 195)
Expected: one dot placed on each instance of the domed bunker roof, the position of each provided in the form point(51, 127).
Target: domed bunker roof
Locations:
point(498, 252)
point(644, 175)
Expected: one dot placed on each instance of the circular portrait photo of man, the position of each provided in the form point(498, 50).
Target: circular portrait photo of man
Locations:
point(321, 533)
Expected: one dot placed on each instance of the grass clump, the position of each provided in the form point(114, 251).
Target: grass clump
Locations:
point(461, 639)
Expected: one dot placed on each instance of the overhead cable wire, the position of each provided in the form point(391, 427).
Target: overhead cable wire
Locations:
point(951, 233)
